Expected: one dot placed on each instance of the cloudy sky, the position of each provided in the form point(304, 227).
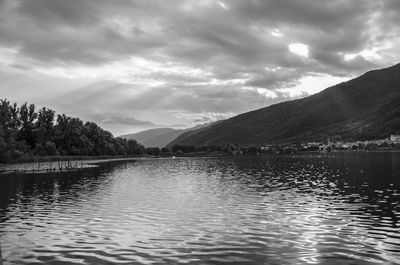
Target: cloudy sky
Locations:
point(130, 65)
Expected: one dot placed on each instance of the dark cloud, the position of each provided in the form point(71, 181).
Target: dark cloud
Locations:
point(202, 120)
point(71, 12)
point(272, 80)
point(203, 56)
point(315, 14)
point(81, 31)
point(199, 99)
point(77, 31)
point(335, 63)
point(120, 119)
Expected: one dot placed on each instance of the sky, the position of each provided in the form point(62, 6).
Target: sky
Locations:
point(131, 65)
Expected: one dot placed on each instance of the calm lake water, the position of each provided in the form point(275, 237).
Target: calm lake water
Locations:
point(338, 208)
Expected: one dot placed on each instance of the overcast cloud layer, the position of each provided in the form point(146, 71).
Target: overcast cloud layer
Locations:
point(131, 65)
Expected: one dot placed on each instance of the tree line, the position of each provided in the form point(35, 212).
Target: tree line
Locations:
point(26, 132)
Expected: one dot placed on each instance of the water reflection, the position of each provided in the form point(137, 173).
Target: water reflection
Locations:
point(339, 208)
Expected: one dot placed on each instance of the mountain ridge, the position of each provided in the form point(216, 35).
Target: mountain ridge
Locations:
point(160, 137)
point(157, 137)
point(349, 110)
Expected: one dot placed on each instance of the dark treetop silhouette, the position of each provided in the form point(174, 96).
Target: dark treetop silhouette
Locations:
point(25, 132)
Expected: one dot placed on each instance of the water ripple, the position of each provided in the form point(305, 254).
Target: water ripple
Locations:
point(331, 209)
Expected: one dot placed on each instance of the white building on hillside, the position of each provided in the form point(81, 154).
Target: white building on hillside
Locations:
point(395, 138)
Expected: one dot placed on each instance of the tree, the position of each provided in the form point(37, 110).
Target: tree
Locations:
point(27, 116)
point(165, 150)
point(153, 151)
point(3, 146)
point(23, 131)
point(9, 120)
point(44, 125)
point(183, 148)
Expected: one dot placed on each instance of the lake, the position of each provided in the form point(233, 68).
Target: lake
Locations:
point(333, 208)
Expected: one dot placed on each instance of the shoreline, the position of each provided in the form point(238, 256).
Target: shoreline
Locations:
point(60, 164)
point(66, 164)
point(43, 159)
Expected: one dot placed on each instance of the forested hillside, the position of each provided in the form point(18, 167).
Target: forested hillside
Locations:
point(26, 131)
point(364, 108)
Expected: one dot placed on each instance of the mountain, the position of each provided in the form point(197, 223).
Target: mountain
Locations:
point(160, 137)
point(191, 132)
point(367, 107)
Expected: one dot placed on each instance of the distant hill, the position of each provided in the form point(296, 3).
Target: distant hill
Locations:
point(367, 107)
point(159, 137)
point(191, 132)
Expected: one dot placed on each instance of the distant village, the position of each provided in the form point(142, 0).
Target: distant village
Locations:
point(393, 142)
